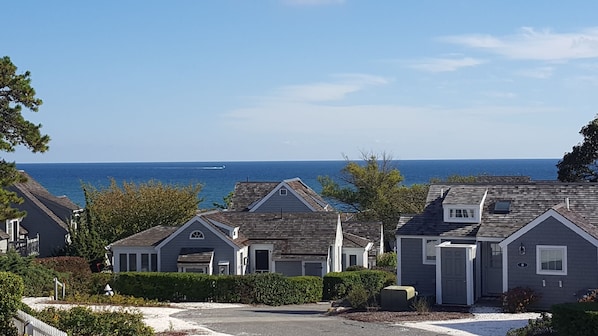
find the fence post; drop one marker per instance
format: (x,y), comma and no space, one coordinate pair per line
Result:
(56,284)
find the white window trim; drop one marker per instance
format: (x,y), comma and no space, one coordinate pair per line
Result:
(425,260)
(474,210)
(539,249)
(195,238)
(283,191)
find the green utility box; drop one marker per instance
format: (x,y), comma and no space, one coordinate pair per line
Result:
(397,298)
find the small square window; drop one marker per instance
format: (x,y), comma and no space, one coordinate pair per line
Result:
(551,260)
(283,192)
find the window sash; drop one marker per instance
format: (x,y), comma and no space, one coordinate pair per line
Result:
(551,259)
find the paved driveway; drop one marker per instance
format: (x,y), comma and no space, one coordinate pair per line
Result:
(295,320)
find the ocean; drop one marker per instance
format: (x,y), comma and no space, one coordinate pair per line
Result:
(219,178)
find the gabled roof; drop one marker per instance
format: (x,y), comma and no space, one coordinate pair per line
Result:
(527,202)
(351,240)
(249,195)
(292,234)
(150,237)
(58,209)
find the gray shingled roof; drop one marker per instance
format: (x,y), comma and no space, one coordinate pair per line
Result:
(55,207)
(195,255)
(528,201)
(150,237)
(293,234)
(246,194)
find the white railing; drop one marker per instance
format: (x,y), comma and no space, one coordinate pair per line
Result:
(30,326)
(56,285)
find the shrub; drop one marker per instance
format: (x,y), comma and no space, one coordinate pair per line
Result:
(355,268)
(74,271)
(11,293)
(307,289)
(388,259)
(591,296)
(577,318)
(358,297)
(542,326)
(37,279)
(516,300)
(84,321)
(421,305)
(338,285)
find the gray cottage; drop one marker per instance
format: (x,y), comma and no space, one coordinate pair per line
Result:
(481,239)
(45,228)
(282,227)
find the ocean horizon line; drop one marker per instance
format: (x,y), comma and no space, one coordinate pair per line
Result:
(278,161)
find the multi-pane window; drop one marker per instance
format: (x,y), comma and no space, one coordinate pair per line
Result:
(461,213)
(551,259)
(196,235)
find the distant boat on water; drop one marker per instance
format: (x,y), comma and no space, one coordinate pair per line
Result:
(213,167)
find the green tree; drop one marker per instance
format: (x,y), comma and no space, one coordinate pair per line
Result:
(579,165)
(116,212)
(11,293)
(85,241)
(373,189)
(16,93)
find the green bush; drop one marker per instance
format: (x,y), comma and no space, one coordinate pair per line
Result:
(11,293)
(578,318)
(516,300)
(388,259)
(83,321)
(38,279)
(542,326)
(74,272)
(337,285)
(358,297)
(355,268)
(269,288)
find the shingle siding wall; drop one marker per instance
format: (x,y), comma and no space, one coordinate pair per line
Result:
(289,268)
(277,203)
(222,250)
(413,271)
(582,264)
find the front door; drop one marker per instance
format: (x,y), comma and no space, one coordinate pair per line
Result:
(492,268)
(454,280)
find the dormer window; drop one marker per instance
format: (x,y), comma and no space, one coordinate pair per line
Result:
(461,214)
(283,192)
(196,235)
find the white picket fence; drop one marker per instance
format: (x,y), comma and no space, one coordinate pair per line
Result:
(30,326)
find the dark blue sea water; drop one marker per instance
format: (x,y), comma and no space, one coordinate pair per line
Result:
(66,178)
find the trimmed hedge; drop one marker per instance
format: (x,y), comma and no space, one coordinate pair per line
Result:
(269,288)
(578,318)
(338,285)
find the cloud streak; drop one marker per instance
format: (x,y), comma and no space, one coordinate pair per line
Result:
(532,44)
(445,64)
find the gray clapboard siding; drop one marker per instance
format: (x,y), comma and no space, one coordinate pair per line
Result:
(289,267)
(413,271)
(222,250)
(581,255)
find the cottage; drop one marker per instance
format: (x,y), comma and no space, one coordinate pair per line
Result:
(45,228)
(481,239)
(282,227)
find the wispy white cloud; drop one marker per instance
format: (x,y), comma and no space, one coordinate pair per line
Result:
(344,85)
(539,73)
(312,2)
(445,64)
(532,44)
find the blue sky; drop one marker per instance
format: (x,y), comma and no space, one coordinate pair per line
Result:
(305,79)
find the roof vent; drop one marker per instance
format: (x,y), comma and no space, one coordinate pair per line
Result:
(502,207)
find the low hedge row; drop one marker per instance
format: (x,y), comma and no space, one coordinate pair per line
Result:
(578,318)
(269,288)
(337,285)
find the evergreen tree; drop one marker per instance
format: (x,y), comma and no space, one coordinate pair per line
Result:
(16,93)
